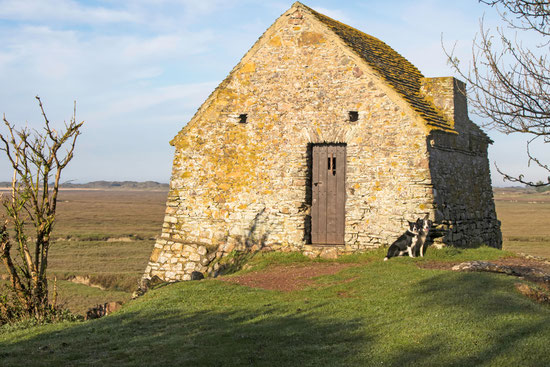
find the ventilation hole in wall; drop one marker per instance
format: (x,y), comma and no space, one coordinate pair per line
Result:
(353,116)
(242,118)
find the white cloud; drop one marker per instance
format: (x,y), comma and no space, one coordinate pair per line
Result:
(49,55)
(188,97)
(65,10)
(139,69)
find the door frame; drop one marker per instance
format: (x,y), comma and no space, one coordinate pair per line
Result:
(327,227)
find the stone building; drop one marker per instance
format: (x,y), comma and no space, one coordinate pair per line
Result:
(323,140)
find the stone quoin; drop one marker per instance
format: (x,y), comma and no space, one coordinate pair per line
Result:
(323,140)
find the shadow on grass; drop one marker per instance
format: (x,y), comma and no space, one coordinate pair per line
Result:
(439,319)
(267,338)
(488,324)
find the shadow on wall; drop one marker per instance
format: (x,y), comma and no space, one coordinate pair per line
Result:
(459,167)
(248,246)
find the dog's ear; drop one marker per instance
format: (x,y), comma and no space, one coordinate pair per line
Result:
(426,216)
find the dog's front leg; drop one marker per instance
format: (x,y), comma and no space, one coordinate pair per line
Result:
(410,250)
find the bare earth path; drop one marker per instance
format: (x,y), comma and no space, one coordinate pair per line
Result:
(286,278)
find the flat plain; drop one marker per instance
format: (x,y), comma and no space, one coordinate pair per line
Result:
(104,238)
(525,217)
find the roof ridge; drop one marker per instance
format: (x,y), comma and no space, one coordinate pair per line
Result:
(403,76)
(361,32)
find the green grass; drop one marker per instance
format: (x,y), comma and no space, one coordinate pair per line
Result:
(377,313)
(459,255)
(115,266)
(262,260)
(81,297)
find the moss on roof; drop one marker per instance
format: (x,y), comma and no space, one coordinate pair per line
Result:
(403,76)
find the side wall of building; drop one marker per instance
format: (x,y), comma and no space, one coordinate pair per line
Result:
(460,172)
(236,185)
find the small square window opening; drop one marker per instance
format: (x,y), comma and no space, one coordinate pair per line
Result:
(242,118)
(353,116)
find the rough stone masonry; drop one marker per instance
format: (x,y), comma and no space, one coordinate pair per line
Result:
(242,171)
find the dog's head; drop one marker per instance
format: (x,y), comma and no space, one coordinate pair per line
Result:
(414,228)
(424,224)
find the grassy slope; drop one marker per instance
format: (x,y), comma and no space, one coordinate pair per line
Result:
(79,298)
(378,313)
(115,265)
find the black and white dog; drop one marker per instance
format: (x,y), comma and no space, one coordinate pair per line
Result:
(413,241)
(423,225)
(405,243)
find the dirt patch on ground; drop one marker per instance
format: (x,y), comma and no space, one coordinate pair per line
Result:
(286,278)
(520,262)
(294,277)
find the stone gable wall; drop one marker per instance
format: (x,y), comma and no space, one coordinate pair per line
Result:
(238,185)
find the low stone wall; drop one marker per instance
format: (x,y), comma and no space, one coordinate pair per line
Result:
(174,261)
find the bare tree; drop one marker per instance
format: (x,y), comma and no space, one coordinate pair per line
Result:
(36,157)
(509,83)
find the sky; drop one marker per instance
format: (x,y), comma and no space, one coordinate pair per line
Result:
(139,69)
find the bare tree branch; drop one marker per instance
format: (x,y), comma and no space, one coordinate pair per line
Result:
(509,84)
(35,156)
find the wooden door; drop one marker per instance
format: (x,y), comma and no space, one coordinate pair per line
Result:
(329,194)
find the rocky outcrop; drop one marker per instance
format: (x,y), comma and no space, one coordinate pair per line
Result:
(519,271)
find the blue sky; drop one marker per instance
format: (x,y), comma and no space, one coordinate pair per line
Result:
(140,69)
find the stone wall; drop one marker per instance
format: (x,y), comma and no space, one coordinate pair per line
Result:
(236,185)
(460,171)
(242,167)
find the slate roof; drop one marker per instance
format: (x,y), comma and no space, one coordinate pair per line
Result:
(403,76)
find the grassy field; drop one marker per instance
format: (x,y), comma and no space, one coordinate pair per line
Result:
(525,221)
(101,214)
(108,237)
(373,314)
